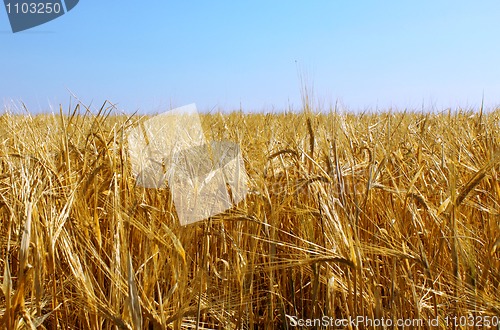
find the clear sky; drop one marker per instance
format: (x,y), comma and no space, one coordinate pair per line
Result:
(153,55)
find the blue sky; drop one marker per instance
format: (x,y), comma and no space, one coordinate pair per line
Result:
(153,55)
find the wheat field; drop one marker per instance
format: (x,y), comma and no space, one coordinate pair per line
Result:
(390,215)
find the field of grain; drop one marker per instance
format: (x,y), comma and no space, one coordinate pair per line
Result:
(391,215)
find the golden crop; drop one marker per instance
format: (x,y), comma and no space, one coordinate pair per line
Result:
(392,215)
